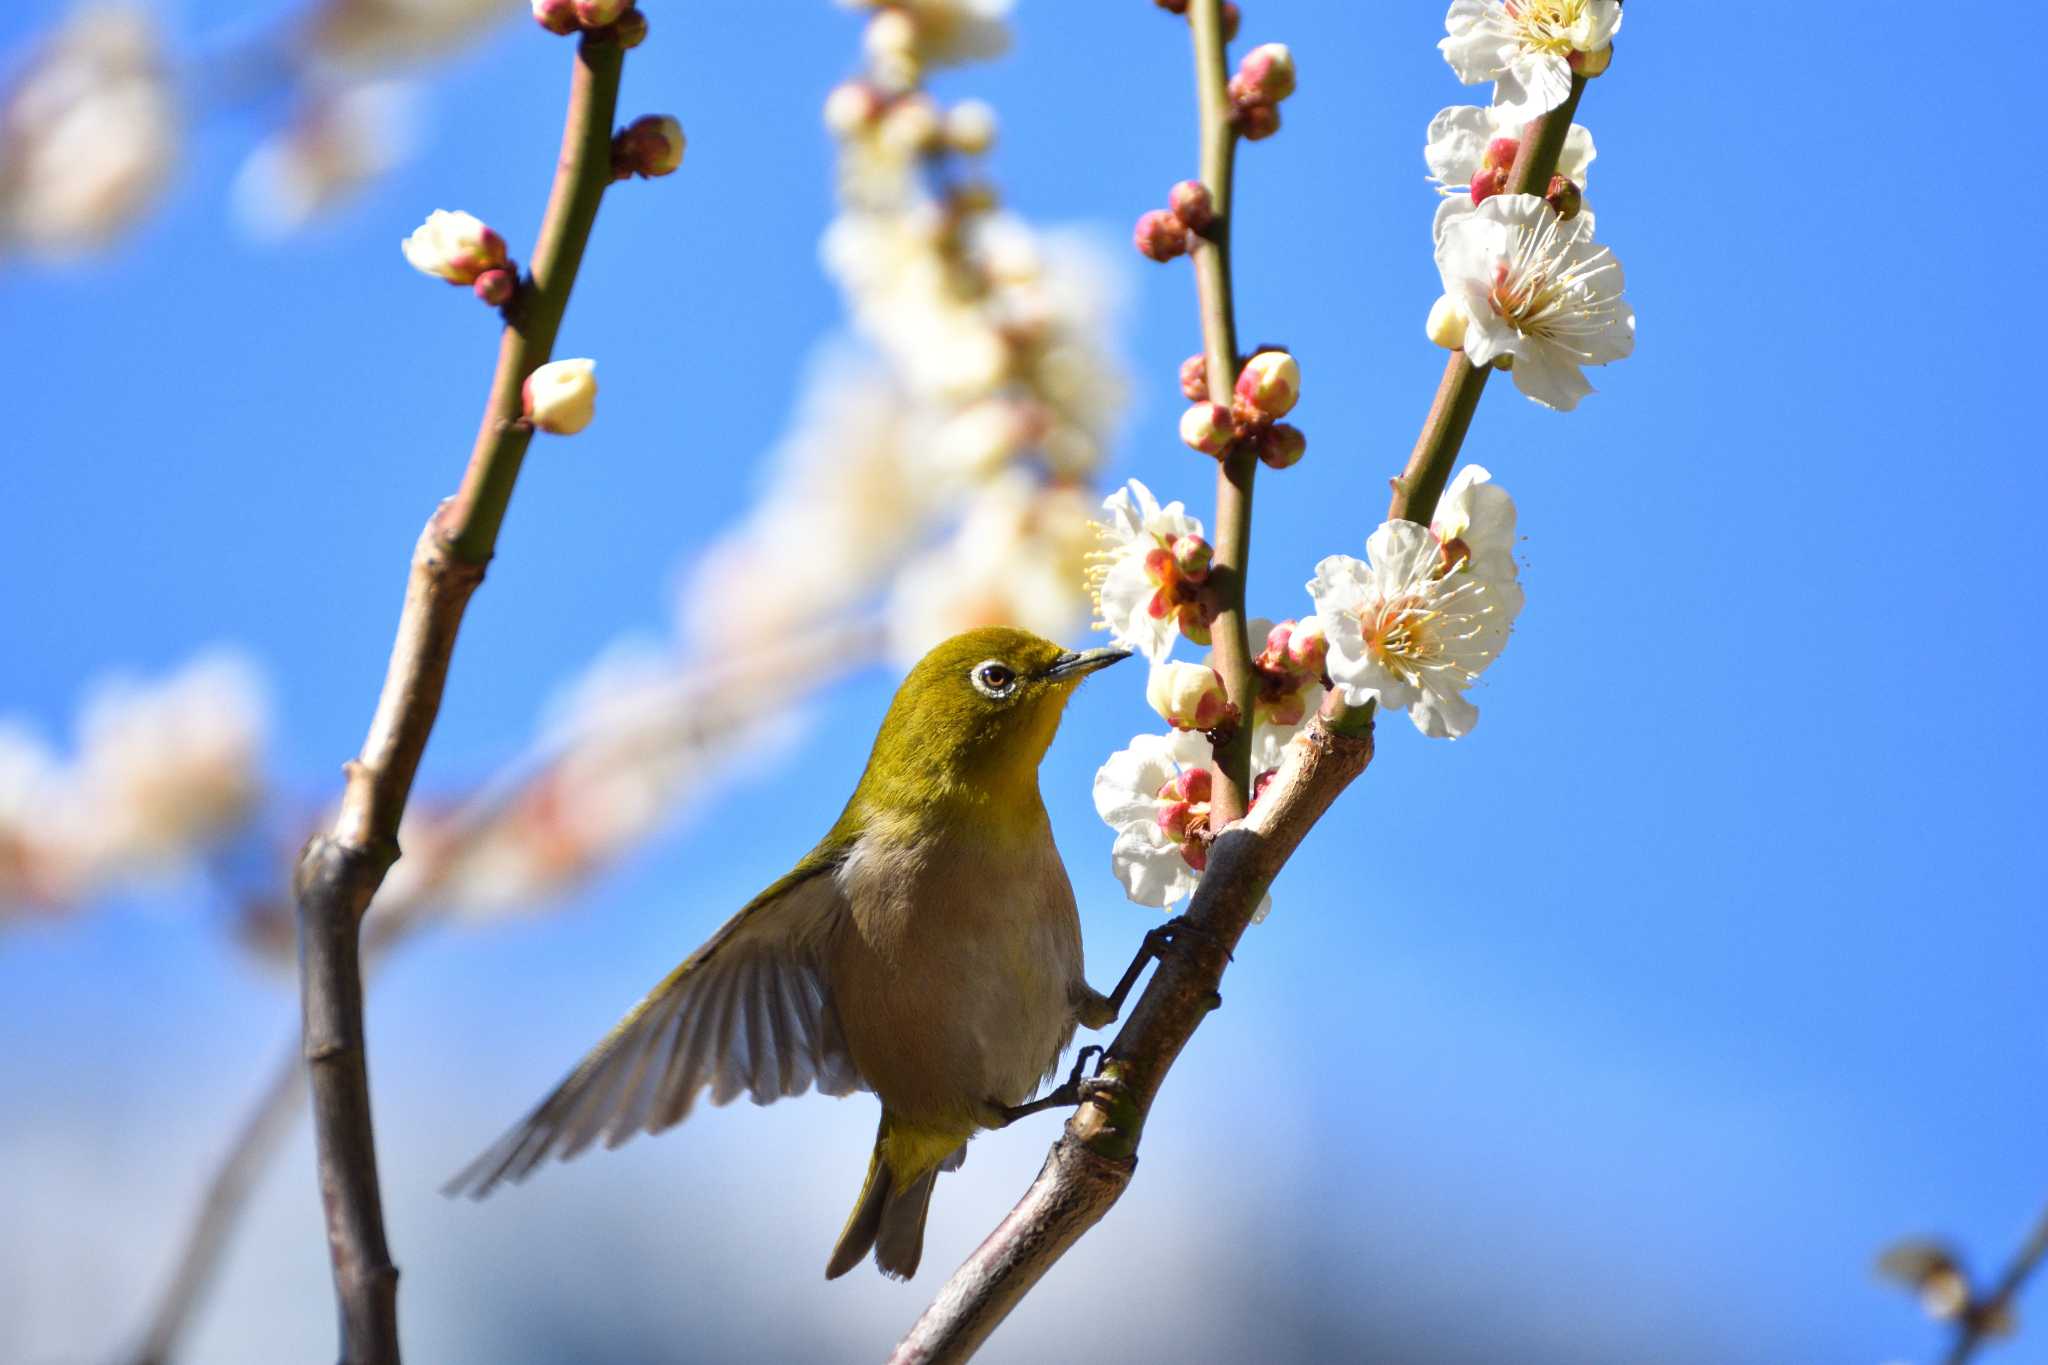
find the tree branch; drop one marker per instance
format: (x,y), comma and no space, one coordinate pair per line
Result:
(340,871)
(1232,648)
(1095,1157)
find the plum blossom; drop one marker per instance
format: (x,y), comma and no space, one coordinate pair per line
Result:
(1155,794)
(89,132)
(1475,525)
(1147,581)
(167,765)
(1414,627)
(1470,149)
(1525,47)
(1538,291)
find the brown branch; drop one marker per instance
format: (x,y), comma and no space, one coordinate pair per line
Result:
(697,713)
(1095,1157)
(255,1144)
(340,871)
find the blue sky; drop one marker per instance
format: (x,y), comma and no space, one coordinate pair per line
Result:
(1628,1028)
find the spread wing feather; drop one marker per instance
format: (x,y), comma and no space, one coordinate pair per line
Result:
(748,1013)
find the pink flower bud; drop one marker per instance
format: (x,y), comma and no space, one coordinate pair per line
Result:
(1282,445)
(1565,196)
(1192,556)
(1232,18)
(1195,853)
(1160,236)
(1256,122)
(1308,646)
(1175,817)
(1191,203)
(1501,153)
(455,247)
(1273,658)
(1265,76)
(630,29)
(556,16)
(599,13)
(1259,785)
(1488,181)
(496,287)
(1591,64)
(1197,784)
(1268,385)
(561,396)
(1208,427)
(1193,619)
(1194,378)
(649,146)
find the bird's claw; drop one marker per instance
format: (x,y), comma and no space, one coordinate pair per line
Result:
(1162,937)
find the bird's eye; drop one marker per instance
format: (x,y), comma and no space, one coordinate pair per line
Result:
(993,679)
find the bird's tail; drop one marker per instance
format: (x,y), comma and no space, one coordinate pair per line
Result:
(889,1215)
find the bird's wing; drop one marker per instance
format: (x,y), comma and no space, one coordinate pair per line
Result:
(749,1012)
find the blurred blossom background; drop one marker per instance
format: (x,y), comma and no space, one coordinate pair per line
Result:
(1629,1028)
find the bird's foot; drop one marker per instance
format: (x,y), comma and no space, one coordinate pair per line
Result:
(1064,1096)
(1180,927)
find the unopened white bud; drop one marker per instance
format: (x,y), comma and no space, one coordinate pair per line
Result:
(1187,696)
(561,396)
(1447,323)
(454,246)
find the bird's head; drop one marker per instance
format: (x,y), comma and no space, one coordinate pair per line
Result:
(974,718)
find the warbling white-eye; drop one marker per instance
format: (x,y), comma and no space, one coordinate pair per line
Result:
(927,950)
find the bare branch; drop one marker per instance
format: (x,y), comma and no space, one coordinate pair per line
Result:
(339,872)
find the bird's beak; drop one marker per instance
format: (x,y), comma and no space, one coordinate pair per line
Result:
(1072,665)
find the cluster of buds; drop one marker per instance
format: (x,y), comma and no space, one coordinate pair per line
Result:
(1290,669)
(1267,389)
(627,25)
(1496,168)
(458,247)
(1232,15)
(649,146)
(1180,575)
(1264,78)
(1162,234)
(1190,697)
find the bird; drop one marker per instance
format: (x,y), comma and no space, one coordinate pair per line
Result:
(927,949)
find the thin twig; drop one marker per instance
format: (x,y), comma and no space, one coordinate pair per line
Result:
(255,1143)
(1995,1311)
(1232,648)
(340,872)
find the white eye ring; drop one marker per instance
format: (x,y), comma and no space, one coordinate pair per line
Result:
(993,678)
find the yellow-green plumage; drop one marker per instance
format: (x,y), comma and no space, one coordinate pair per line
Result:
(927,949)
